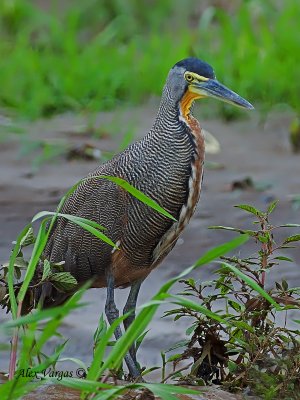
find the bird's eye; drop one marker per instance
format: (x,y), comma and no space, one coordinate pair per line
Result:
(189,77)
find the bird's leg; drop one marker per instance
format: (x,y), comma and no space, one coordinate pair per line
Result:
(131,306)
(112,313)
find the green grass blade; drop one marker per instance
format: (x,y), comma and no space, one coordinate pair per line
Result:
(137,194)
(12,260)
(146,314)
(192,305)
(13,390)
(41,315)
(37,316)
(38,248)
(121,347)
(164,393)
(76,361)
(253,284)
(95,370)
(220,250)
(43,214)
(85,385)
(209,256)
(90,226)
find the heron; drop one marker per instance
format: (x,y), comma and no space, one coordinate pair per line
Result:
(166,165)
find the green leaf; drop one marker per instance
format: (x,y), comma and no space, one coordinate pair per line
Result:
(232,366)
(35,317)
(178,345)
(20,262)
(110,391)
(243,326)
(86,224)
(294,238)
(58,266)
(290,226)
(28,239)
(254,285)
(101,329)
(10,279)
(272,206)
(218,251)
(174,357)
(190,330)
(284,285)
(283,258)
(140,339)
(82,384)
(17,272)
(148,370)
(16,389)
(236,306)
(38,248)
(262,239)
(43,214)
(228,228)
(51,326)
(46,270)
(51,313)
(192,305)
(137,194)
(63,281)
(148,310)
(95,371)
(75,361)
(250,209)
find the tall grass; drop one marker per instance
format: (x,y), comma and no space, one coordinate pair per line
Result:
(96,55)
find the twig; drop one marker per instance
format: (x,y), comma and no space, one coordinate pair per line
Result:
(14,347)
(175,372)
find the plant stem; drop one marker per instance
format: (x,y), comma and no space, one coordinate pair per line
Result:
(176,372)
(14,347)
(264,258)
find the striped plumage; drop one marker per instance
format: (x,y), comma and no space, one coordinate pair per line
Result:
(166,165)
(161,165)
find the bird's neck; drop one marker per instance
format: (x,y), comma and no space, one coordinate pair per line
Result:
(175,118)
(184,106)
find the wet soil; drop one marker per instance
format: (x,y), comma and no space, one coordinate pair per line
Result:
(249,148)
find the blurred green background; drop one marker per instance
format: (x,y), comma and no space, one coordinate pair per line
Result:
(98,54)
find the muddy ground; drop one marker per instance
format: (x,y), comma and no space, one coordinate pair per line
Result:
(249,148)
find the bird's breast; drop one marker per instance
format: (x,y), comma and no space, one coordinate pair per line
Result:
(192,195)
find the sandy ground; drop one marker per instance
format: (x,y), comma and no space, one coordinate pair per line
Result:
(248,148)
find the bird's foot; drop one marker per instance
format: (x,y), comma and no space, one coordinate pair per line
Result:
(134,370)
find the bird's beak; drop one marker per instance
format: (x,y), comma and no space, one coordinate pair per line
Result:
(213,88)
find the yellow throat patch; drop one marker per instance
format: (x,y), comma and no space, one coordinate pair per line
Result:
(186,103)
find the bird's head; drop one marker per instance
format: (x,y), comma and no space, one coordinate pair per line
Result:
(192,79)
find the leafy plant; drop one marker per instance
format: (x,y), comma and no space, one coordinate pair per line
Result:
(248,346)
(101,367)
(31,355)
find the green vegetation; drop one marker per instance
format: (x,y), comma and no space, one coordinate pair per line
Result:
(91,55)
(31,355)
(235,339)
(258,346)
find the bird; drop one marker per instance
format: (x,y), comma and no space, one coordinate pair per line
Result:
(166,165)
